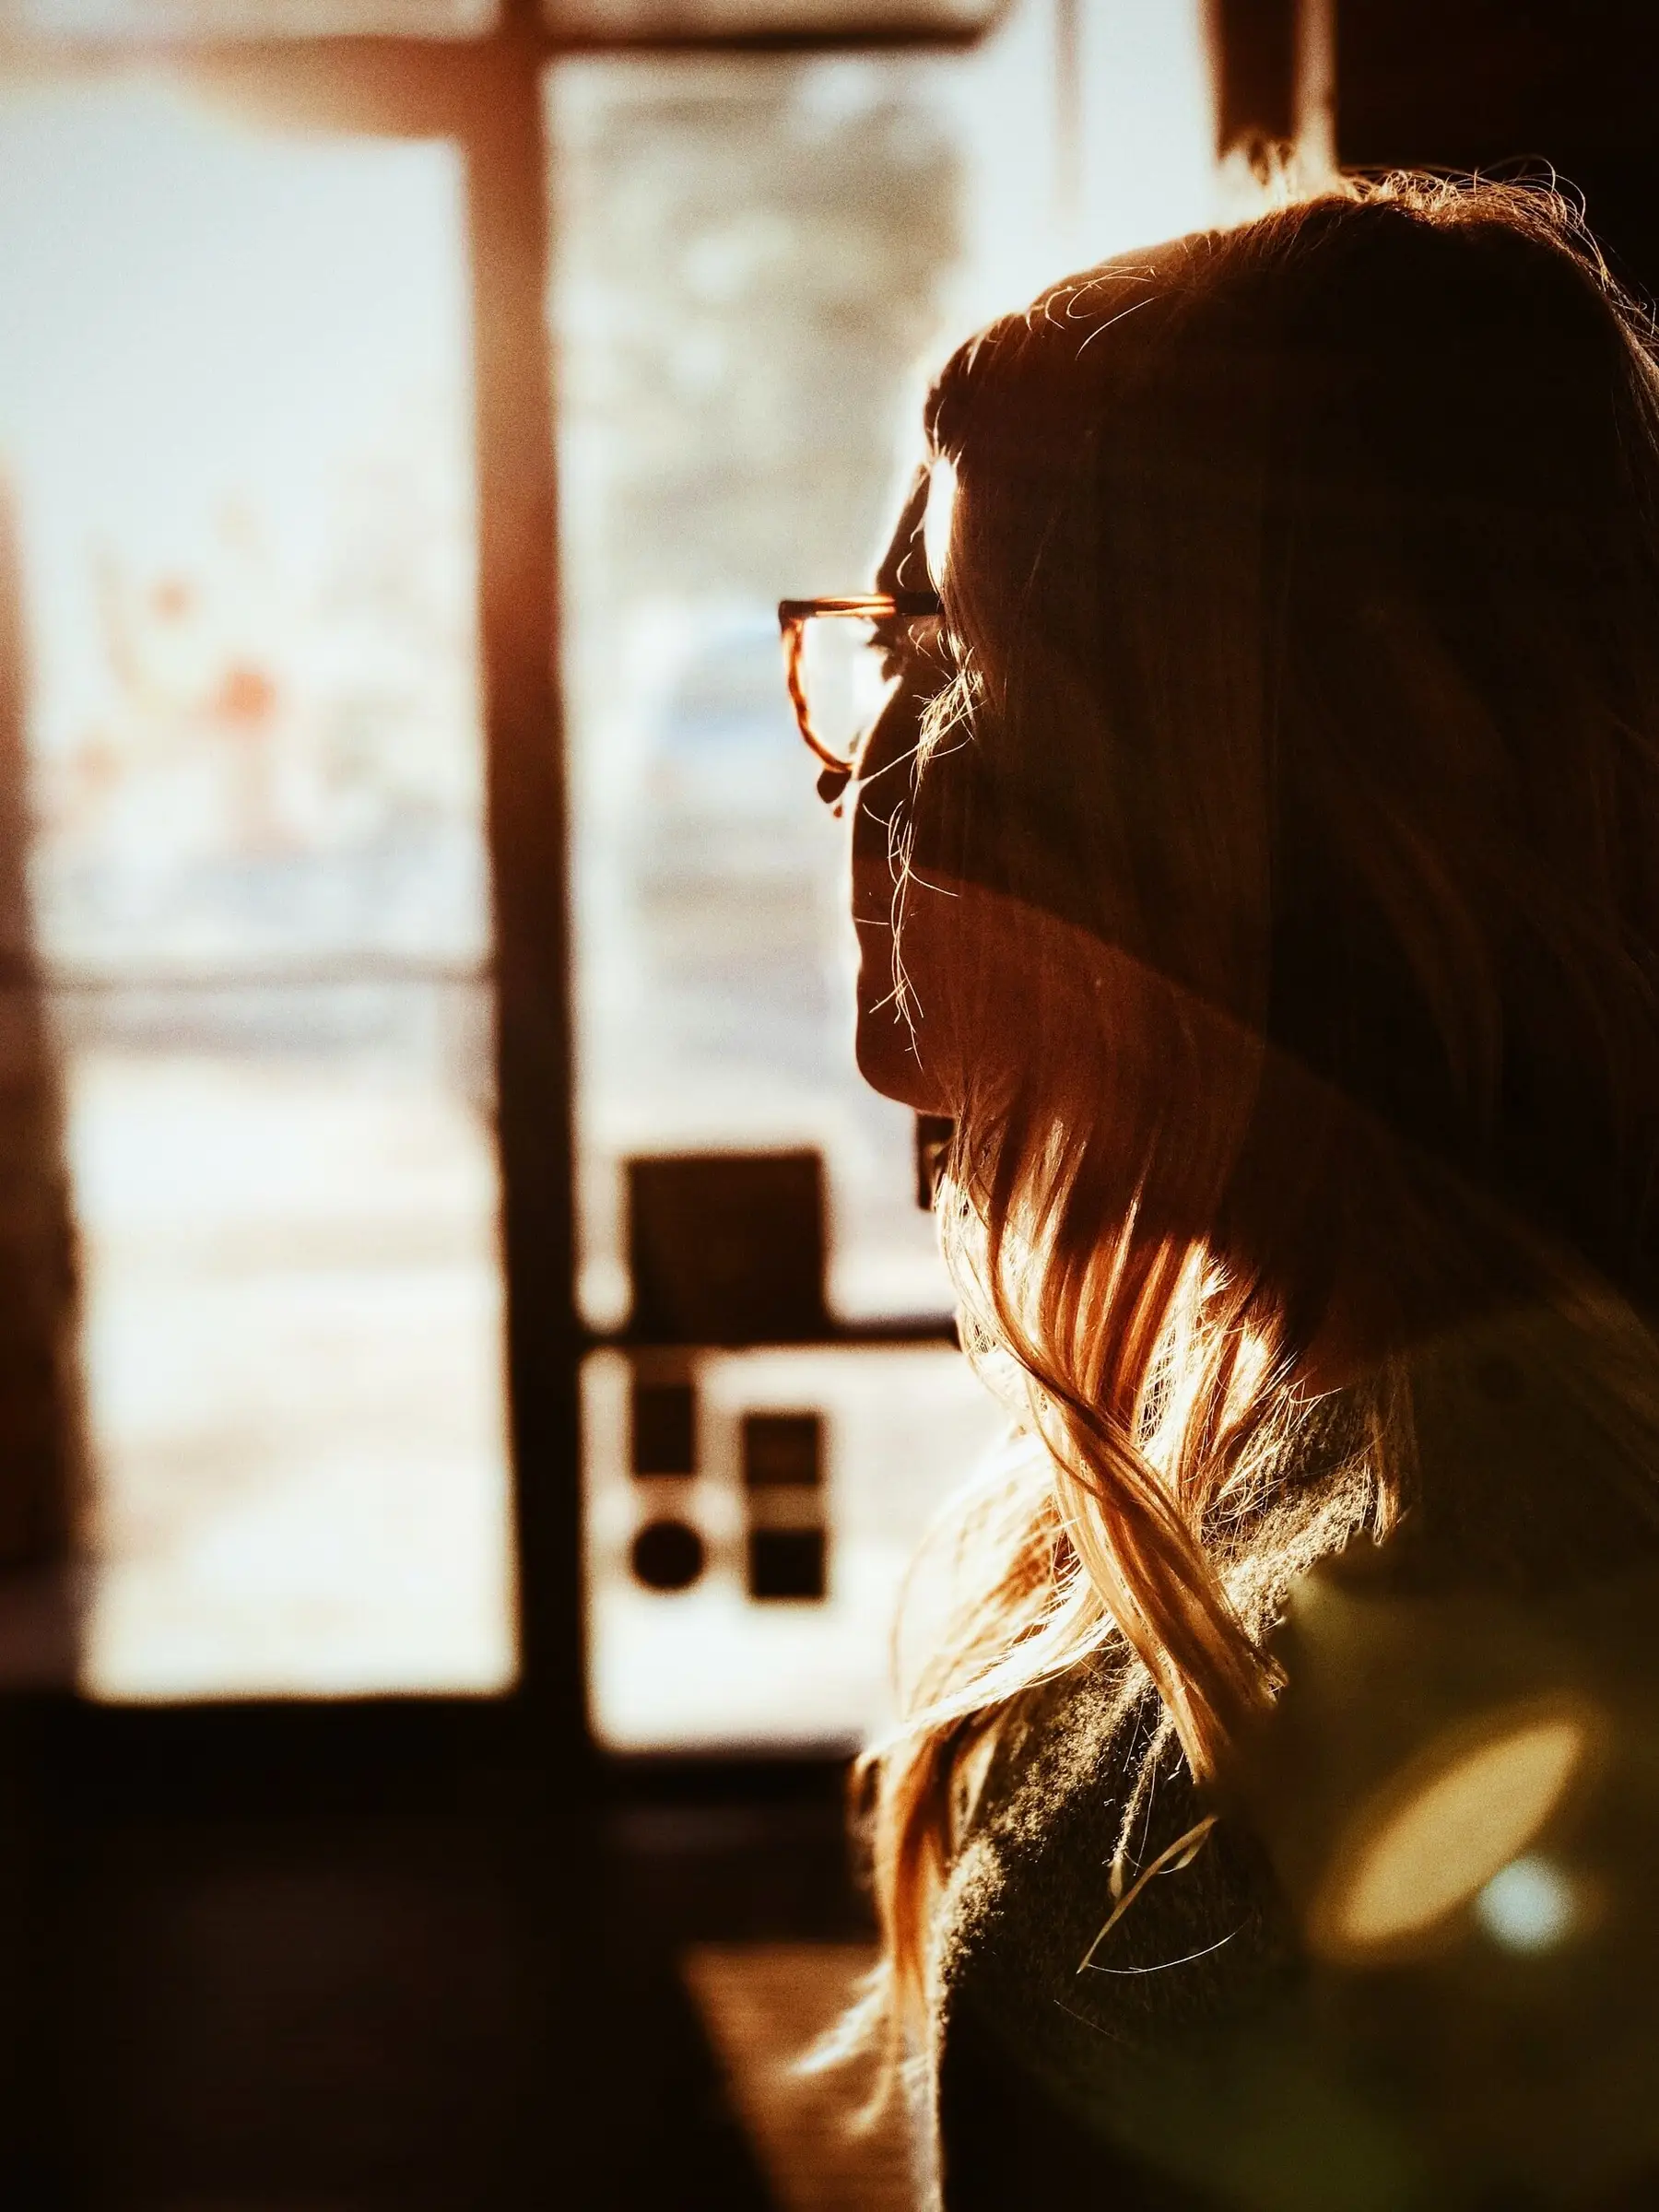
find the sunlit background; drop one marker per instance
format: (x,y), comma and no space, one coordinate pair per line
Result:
(269,660)
(758,263)
(236,412)
(238,419)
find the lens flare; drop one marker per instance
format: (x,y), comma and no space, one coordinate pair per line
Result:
(1527,1906)
(1453,1830)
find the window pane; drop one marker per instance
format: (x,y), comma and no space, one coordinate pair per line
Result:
(237,394)
(733,418)
(738,1653)
(757,259)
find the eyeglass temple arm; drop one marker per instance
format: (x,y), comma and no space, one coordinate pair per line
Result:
(873,605)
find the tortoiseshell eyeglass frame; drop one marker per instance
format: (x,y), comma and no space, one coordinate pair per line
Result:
(793,617)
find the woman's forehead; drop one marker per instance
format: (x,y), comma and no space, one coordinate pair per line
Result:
(938,512)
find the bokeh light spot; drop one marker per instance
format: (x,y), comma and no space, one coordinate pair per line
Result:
(1527,1905)
(1449,1831)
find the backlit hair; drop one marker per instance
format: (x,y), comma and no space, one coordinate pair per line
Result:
(1278,904)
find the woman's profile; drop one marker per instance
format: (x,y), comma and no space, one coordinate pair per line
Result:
(1257,863)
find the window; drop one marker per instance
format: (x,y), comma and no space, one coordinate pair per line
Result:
(237,398)
(757,260)
(241,422)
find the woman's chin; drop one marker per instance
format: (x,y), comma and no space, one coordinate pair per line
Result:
(890,1062)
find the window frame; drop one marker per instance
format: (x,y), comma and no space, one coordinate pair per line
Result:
(485,93)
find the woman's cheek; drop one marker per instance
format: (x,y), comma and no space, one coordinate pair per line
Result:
(906,1042)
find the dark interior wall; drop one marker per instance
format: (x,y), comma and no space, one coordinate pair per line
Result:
(1483,84)
(1253,42)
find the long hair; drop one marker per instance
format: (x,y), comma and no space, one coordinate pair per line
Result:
(1276,901)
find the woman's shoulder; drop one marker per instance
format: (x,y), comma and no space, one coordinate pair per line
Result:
(1038,2016)
(1060,2019)
(1083,1792)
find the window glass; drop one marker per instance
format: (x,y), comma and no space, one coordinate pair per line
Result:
(766,1620)
(235,397)
(755,257)
(758,258)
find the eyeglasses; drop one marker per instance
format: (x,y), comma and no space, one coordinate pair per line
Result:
(839,665)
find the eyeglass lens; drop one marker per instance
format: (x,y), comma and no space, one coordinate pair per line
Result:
(849,669)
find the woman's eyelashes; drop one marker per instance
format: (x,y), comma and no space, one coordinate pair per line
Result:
(917,665)
(916,653)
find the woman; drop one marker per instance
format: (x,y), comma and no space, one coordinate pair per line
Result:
(1257,862)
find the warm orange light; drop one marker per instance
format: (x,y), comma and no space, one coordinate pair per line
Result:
(940,514)
(1432,1840)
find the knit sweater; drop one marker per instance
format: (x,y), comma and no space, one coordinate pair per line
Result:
(1049,2072)
(1196,2056)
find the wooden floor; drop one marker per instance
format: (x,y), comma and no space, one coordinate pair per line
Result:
(821,2147)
